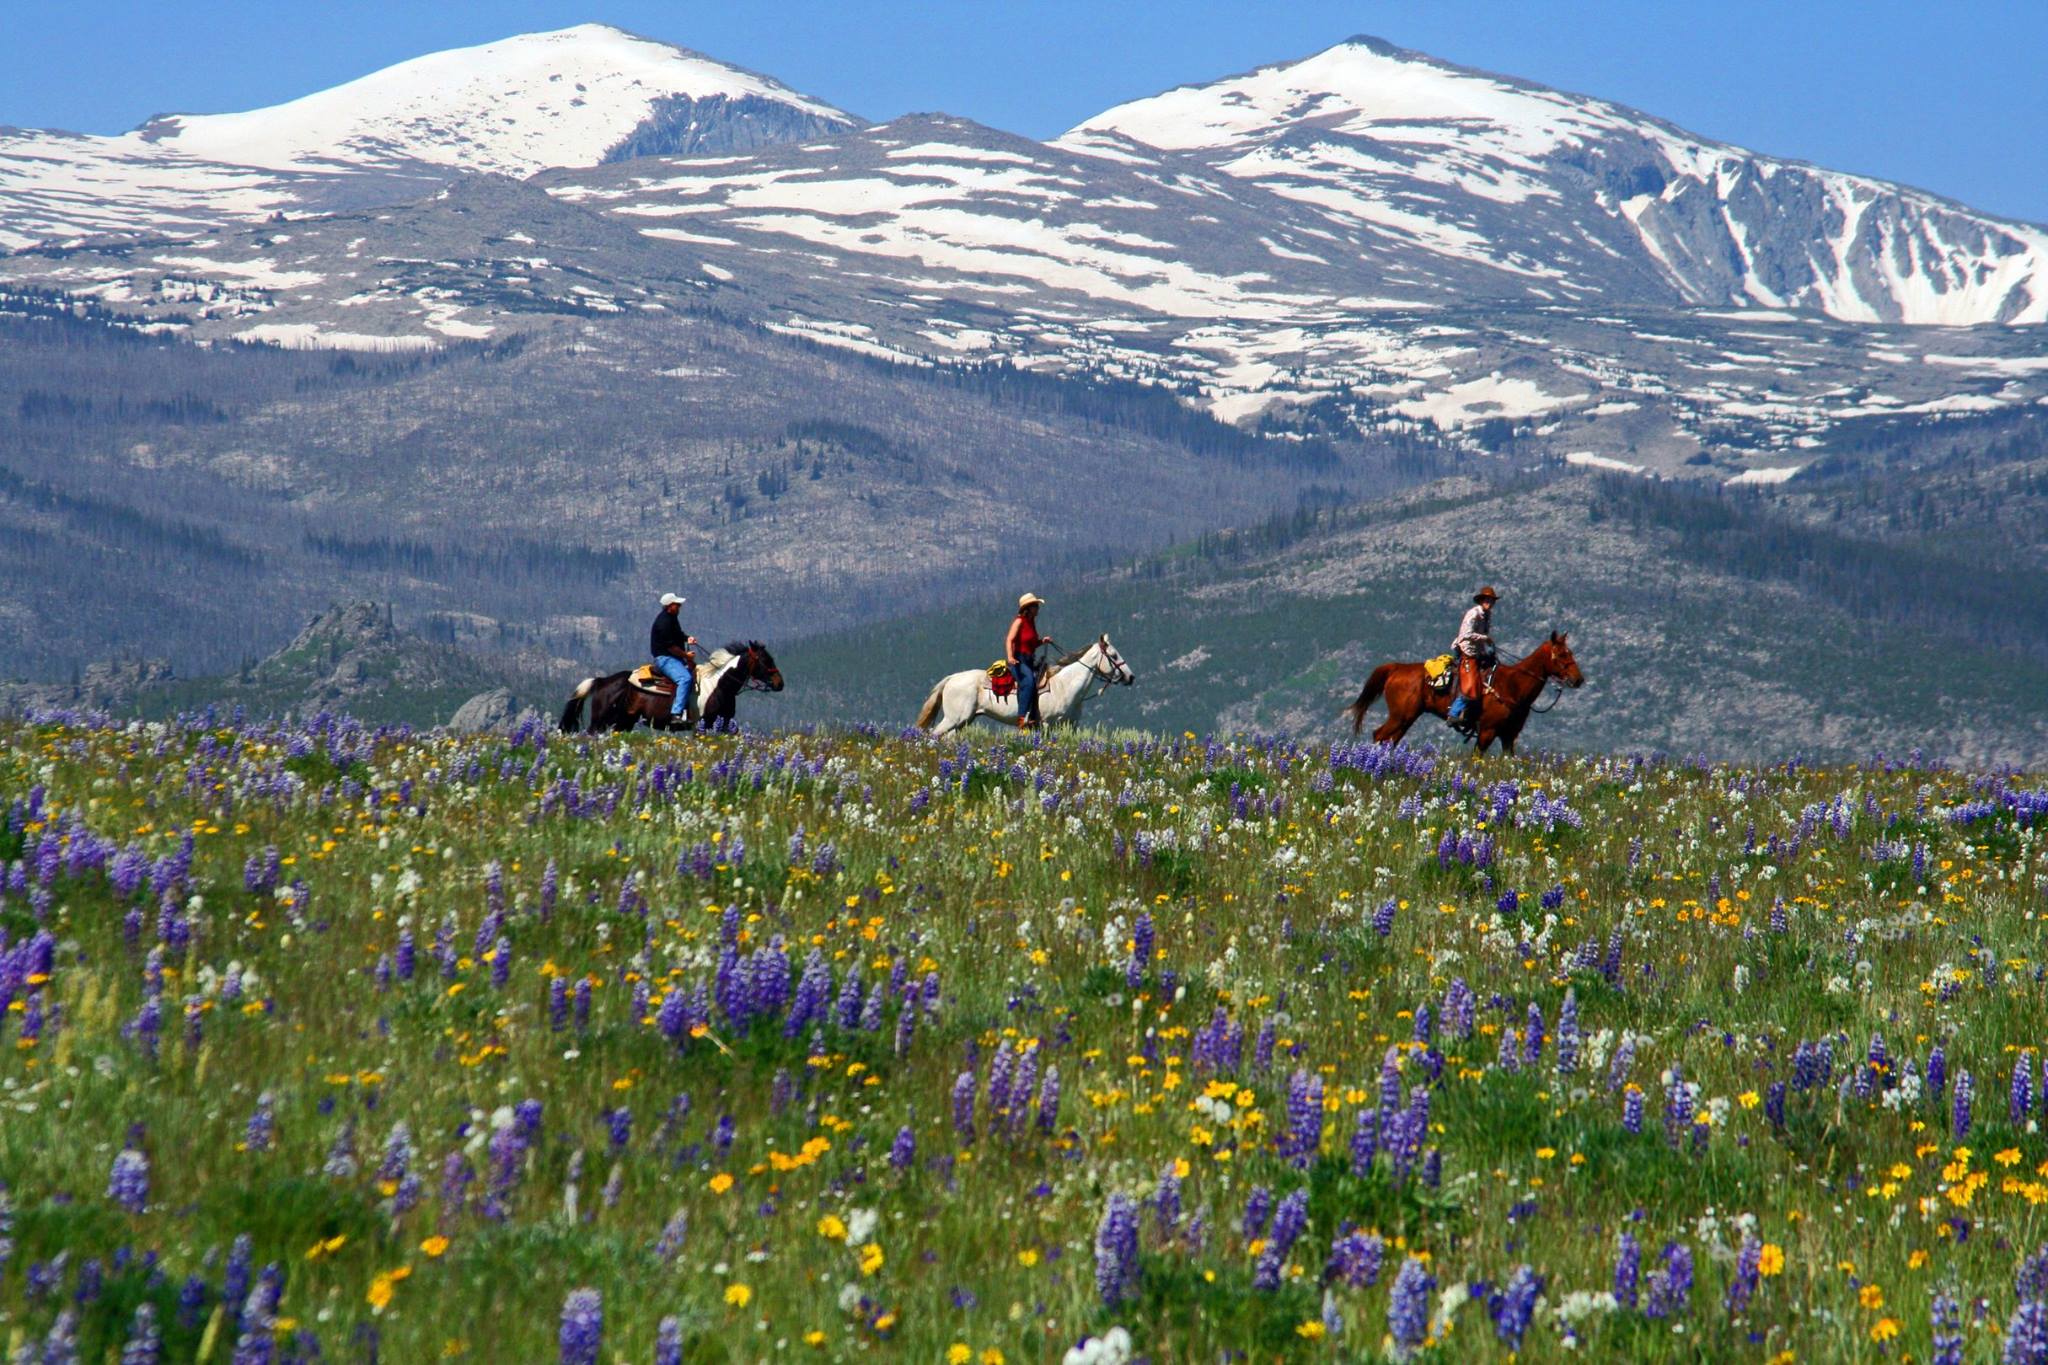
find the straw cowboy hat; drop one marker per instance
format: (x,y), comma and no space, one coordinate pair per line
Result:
(1030,599)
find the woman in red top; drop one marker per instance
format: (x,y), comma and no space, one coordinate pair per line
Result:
(1020,647)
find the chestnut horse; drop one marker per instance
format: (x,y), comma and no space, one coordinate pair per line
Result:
(616,704)
(1510,692)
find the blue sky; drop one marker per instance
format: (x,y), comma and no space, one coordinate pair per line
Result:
(1950,97)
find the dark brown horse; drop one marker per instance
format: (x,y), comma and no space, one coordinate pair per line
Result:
(1504,706)
(616,704)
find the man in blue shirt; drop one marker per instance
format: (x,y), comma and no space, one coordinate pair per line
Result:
(670,647)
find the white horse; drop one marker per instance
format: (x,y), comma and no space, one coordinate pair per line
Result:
(961,697)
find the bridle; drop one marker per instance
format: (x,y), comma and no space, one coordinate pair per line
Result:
(1548,683)
(1119,674)
(754,681)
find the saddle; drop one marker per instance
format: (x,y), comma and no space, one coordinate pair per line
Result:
(648,678)
(1002,680)
(1440,672)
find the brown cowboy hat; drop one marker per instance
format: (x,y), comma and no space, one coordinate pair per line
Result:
(1486,594)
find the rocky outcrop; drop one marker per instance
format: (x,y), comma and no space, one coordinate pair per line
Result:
(496,709)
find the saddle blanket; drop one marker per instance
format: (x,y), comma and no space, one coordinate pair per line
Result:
(648,678)
(1438,672)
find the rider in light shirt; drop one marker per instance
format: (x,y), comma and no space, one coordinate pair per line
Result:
(1474,648)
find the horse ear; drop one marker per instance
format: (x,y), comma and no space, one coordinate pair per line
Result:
(1555,638)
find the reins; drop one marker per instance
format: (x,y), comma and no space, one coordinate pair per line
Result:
(1546,683)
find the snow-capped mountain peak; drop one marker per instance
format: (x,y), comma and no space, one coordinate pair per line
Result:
(1360,86)
(1540,184)
(575,97)
(515,106)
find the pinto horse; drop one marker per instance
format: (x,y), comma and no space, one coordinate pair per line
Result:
(1509,694)
(616,704)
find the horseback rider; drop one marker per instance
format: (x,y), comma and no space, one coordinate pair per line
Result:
(1020,648)
(670,646)
(1474,648)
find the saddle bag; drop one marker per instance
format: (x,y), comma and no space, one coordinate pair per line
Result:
(1001,681)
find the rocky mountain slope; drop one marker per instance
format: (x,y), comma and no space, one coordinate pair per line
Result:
(351,657)
(1364,241)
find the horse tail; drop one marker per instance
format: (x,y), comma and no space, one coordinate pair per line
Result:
(571,712)
(930,713)
(1374,685)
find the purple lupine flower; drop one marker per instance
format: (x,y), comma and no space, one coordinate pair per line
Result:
(236,1276)
(582,1334)
(847,1012)
(1947,1316)
(191,1302)
(1959,1107)
(1628,1269)
(2030,1281)
(1365,1140)
(558,1004)
(1290,1220)
(620,1121)
(1517,1306)
(1383,918)
(1742,1284)
(1774,1104)
(671,1240)
(2026,1334)
(1670,1284)
(1262,1050)
(1024,1080)
(60,1346)
(1049,1101)
(2020,1101)
(1166,1201)
(903,1150)
(128,1181)
(145,1341)
(1304,1136)
(262,1125)
(1142,943)
(1355,1260)
(1461,1008)
(1509,1057)
(1568,1035)
(963,1107)
(1116,1251)
(1532,1036)
(1677,1107)
(583,1004)
(999,1069)
(1258,1206)
(501,962)
(1408,1306)
(906,1027)
(668,1342)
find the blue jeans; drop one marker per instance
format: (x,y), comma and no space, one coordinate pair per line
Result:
(1027,688)
(685,679)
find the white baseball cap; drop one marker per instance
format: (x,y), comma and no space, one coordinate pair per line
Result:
(669,599)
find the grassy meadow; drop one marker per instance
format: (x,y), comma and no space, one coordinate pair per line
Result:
(330,1042)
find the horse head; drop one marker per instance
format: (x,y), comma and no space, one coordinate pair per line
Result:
(1561,665)
(761,670)
(1119,671)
